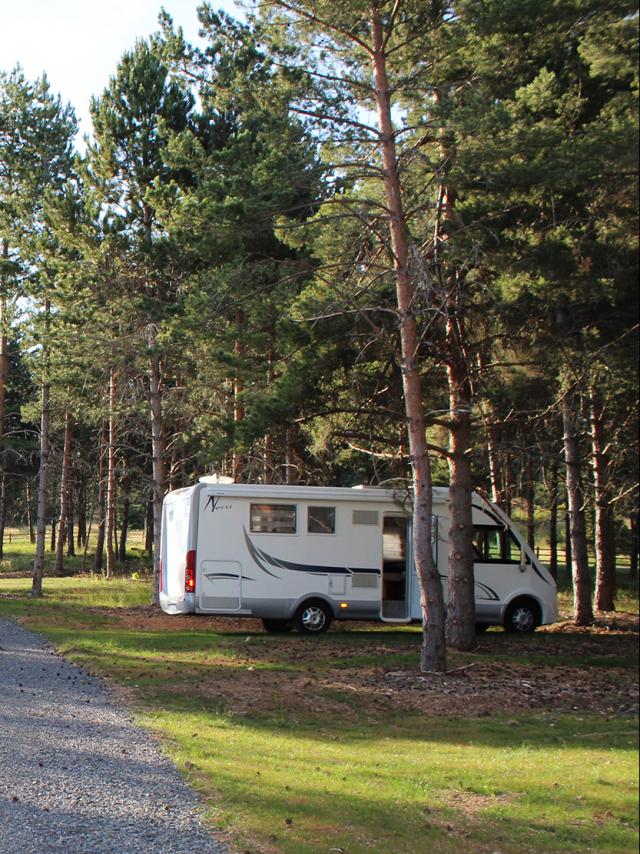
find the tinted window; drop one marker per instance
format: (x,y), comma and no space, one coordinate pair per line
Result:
(273,518)
(493,544)
(321,520)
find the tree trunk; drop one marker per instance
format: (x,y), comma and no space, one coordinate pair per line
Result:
(3,510)
(238,389)
(461,624)
(604,528)
(553,521)
(148,528)
(38,561)
(32,533)
(507,481)
(71,550)
(158,457)
(4,373)
(582,610)
(126,503)
(58,567)
(433,656)
(102,500)
(111,476)
(633,523)
(531,508)
(289,465)
(82,515)
(568,557)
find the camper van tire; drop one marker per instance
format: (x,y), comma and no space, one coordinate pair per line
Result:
(277,627)
(522,616)
(313,617)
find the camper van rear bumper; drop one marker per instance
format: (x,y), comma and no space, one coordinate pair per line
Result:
(178,605)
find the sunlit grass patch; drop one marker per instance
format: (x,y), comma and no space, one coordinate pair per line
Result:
(290,755)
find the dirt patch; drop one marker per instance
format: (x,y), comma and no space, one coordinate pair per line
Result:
(559,668)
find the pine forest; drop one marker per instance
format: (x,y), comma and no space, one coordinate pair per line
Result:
(385,242)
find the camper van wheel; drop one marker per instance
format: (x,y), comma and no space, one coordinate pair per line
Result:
(522,616)
(275,627)
(312,618)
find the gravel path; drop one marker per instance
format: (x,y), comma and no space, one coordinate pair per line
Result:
(76,776)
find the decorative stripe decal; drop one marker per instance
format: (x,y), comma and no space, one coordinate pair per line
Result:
(254,554)
(261,557)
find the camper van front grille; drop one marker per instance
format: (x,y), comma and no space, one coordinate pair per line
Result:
(364,579)
(219,603)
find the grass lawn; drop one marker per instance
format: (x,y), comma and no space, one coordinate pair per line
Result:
(308,745)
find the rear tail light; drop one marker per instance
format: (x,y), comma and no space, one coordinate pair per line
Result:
(190,572)
(160,571)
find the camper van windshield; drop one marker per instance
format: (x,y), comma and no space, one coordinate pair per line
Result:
(494,544)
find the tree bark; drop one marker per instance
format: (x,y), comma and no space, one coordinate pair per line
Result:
(531,508)
(158,457)
(32,533)
(553,521)
(126,503)
(633,524)
(582,609)
(82,514)
(433,657)
(238,389)
(460,625)
(605,542)
(58,567)
(111,476)
(38,561)
(71,550)
(3,510)
(4,374)
(102,499)
(148,528)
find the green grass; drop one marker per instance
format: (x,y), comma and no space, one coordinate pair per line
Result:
(360,776)
(19,552)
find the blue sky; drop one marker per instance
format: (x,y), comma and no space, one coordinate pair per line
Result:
(79,42)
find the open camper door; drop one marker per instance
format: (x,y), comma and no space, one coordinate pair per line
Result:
(396,569)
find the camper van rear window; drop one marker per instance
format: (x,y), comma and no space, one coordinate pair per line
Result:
(321,520)
(273,518)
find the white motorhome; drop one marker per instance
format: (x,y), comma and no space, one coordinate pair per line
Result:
(304,556)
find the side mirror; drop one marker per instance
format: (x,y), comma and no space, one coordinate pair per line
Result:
(523,560)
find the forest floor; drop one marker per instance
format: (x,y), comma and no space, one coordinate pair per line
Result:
(527,745)
(542,671)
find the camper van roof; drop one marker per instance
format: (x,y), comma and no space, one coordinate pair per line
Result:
(325,493)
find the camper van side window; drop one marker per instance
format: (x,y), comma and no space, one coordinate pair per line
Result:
(494,545)
(321,520)
(273,518)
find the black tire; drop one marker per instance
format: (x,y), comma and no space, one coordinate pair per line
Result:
(313,618)
(277,627)
(522,616)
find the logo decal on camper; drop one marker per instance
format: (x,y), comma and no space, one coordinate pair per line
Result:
(214,502)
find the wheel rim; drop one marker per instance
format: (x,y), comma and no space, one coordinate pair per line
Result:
(522,619)
(313,618)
